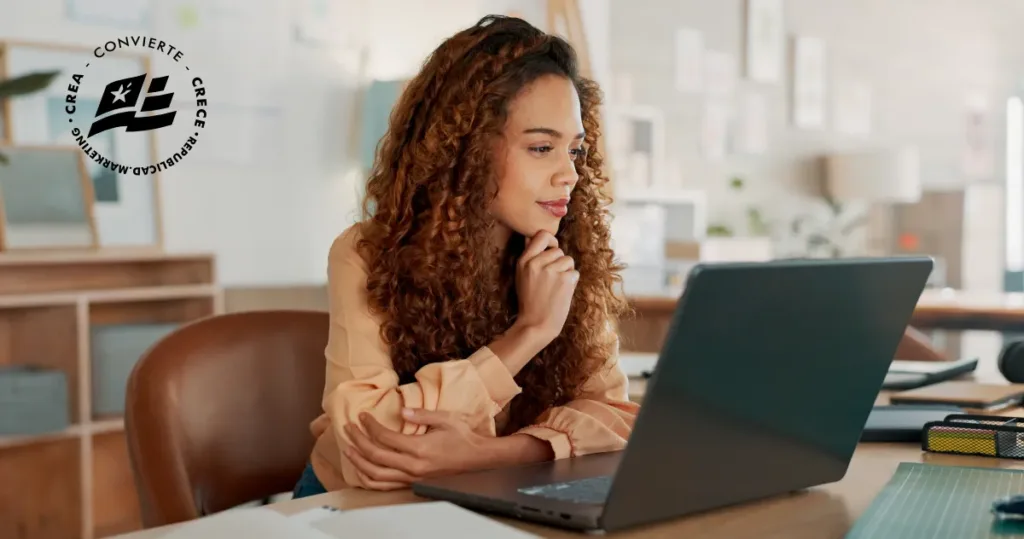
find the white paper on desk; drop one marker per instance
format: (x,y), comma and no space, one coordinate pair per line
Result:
(428,520)
(249,523)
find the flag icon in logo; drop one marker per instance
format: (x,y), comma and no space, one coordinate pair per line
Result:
(123,96)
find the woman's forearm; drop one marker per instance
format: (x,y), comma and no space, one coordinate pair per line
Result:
(519,449)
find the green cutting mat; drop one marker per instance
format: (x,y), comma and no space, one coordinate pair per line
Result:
(927,501)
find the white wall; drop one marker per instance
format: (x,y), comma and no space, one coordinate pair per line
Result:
(921,75)
(270,218)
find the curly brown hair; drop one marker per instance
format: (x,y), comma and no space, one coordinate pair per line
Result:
(442,289)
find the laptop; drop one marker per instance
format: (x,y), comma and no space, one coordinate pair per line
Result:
(763,387)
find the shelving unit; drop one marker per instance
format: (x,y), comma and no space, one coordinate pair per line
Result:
(77,482)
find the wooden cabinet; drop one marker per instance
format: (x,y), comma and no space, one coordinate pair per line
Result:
(77,482)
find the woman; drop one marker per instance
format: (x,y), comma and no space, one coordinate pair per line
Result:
(472,309)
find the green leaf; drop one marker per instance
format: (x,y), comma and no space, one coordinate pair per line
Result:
(855,224)
(719,231)
(736,183)
(797,225)
(3,159)
(27,84)
(817,240)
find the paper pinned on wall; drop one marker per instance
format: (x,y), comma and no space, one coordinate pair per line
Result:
(766,40)
(312,21)
(187,16)
(239,52)
(689,57)
(715,130)
(809,84)
(316,21)
(133,14)
(720,80)
(979,154)
(720,74)
(753,134)
(853,108)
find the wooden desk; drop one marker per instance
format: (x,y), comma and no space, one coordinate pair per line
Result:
(825,512)
(960,310)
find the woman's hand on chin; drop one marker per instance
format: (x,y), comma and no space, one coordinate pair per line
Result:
(394,460)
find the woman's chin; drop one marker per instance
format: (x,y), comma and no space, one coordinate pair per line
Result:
(550,228)
(530,228)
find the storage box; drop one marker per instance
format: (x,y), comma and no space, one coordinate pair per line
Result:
(116,348)
(33,400)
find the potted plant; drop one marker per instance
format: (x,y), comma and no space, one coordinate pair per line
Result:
(752,242)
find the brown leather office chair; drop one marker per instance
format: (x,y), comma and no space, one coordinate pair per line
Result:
(217,413)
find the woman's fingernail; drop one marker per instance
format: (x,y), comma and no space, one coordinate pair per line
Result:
(407,413)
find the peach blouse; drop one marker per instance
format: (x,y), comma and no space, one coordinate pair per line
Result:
(360,378)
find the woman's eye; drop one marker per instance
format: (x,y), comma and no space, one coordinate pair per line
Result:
(576,153)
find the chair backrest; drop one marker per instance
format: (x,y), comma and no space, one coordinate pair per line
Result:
(217,413)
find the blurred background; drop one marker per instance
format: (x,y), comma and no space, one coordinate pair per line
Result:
(734,129)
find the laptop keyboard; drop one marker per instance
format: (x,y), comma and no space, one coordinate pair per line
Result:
(589,490)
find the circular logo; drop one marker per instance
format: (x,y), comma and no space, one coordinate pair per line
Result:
(119,96)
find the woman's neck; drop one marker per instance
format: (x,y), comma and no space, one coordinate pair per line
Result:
(500,237)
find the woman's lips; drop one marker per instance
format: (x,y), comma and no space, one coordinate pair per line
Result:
(558,208)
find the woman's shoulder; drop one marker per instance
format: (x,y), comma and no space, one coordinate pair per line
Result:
(345,249)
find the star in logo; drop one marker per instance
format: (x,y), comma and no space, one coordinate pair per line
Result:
(117,107)
(119,94)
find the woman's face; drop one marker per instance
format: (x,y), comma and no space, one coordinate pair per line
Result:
(543,142)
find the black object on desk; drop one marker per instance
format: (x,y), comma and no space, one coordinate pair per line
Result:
(903,422)
(1010,506)
(915,374)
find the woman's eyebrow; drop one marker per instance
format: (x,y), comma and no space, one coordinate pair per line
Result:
(549,131)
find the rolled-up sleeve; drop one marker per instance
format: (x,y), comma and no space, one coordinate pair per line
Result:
(360,376)
(599,420)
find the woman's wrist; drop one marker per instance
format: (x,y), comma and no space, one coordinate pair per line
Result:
(516,449)
(532,338)
(518,346)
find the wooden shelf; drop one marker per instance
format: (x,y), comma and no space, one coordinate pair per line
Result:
(7,442)
(113,512)
(108,296)
(101,270)
(91,428)
(77,482)
(41,490)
